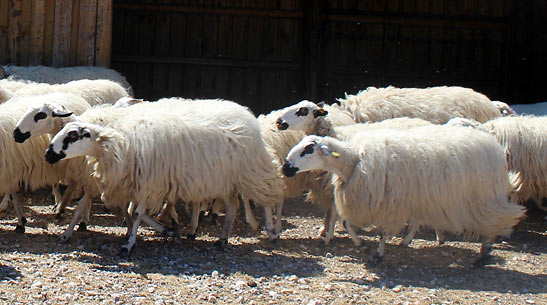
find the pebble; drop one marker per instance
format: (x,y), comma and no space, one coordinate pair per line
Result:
(397,288)
(328,255)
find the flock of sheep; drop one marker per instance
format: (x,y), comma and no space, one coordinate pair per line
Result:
(446,158)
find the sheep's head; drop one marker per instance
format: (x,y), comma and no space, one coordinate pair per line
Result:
(300,116)
(74,140)
(38,120)
(308,154)
(504,108)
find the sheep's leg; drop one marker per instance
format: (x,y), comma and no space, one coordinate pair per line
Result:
(128,217)
(330,223)
(5,202)
(440,237)
(539,203)
(169,215)
(194,220)
(249,216)
(18,206)
(327,223)
(216,207)
(268,220)
(379,257)
(354,237)
(412,228)
(56,195)
(231,211)
(278,216)
(67,196)
(82,207)
(485,256)
(138,213)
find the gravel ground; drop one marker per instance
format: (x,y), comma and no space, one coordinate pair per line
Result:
(35,269)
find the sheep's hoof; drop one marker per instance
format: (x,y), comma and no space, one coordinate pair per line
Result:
(24,220)
(20,228)
(221,244)
(482,261)
(63,239)
(376,260)
(214,219)
(59,215)
(125,251)
(82,227)
(191,237)
(440,243)
(275,241)
(169,232)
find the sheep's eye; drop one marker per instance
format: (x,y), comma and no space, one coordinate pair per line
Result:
(86,135)
(307,150)
(72,134)
(302,111)
(39,116)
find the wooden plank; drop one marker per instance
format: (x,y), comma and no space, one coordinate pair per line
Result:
(86,32)
(74,32)
(61,33)
(24,33)
(4,17)
(49,24)
(37,26)
(14,31)
(103,49)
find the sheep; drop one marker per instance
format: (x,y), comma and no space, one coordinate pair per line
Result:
(23,165)
(435,104)
(313,119)
(504,108)
(523,138)
(51,75)
(449,178)
(194,151)
(95,92)
(317,182)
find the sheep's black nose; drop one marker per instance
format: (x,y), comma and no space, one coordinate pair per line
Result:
(281,125)
(53,157)
(19,136)
(289,170)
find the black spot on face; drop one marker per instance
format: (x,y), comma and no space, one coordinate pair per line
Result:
(289,170)
(53,157)
(320,112)
(302,111)
(307,150)
(19,136)
(71,137)
(40,116)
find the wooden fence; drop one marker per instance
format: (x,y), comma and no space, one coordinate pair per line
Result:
(55,32)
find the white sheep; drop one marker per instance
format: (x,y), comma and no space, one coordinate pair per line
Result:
(316,182)
(523,138)
(23,165)
(435,104)
(51,75)
(314,119)
(95,92)
(194,151)
(448,178)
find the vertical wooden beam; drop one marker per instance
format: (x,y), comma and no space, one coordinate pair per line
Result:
(24,33)
(14,30)
(61,33)
(4,17)
(49,22)
(86,32)
(313,45)
(103,43)
(37,25)
(74,32)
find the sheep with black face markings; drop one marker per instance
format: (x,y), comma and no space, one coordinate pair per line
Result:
(194,151)
(434,104)
(448,178)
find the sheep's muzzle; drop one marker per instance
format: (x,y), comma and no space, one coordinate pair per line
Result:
(289,170)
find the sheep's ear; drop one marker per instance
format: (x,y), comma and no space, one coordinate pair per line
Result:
(328,152)
(320,112)
(321,104)
(2,73)
(61,113)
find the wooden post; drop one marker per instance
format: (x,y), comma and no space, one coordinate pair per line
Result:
(61,33)
(14,30)
(37,25)
(4,17)
(313,45)
(103,42)
(86,32)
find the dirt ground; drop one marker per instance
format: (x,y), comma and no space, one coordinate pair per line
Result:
(36,269)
